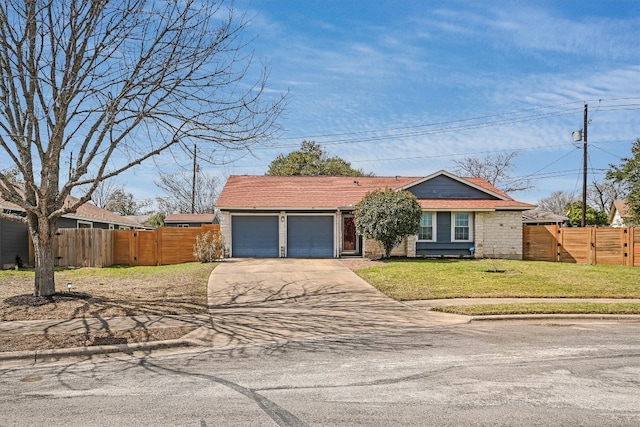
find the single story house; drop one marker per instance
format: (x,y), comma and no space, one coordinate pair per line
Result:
(312,216)
(189,220)
(14,236)
(619,214)
(538,217)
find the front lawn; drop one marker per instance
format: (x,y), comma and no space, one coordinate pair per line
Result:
(107,292)
(406,280)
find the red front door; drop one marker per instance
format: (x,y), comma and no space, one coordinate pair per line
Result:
(349,238)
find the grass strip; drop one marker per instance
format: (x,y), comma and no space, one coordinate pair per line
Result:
(541,308)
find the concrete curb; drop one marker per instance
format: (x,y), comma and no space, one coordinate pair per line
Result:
(54,354)
(612,317)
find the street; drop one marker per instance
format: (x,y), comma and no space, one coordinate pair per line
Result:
(551,372)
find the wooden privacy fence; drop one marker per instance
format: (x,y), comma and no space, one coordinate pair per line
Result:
(95,247)
(83,247)
(163,246)
(606,246)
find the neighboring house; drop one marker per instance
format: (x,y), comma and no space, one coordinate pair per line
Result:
(139,219)
(537,217)
(189,220)
(14,237)
(14,242)
(619,214)
(312,216)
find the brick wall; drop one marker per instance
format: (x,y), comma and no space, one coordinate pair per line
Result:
(225,230)
(373,249)
(498,234)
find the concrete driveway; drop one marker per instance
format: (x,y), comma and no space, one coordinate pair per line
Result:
(254,301)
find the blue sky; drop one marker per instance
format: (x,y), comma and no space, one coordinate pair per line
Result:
(407,87)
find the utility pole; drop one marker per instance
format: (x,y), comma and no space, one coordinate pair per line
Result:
(193,188)
(584,167)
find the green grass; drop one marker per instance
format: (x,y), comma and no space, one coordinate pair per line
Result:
(192,270)
(541,308)
(406,280)
(112,274)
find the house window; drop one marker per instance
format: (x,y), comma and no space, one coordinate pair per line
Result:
(183,225)
(112,226)
(85,224)
(461,227)
(427,227)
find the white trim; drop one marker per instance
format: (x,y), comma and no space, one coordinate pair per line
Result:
(101,220)
(79,223)
(434,227)
(453,227)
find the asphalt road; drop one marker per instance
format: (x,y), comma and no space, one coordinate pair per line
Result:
(479,374)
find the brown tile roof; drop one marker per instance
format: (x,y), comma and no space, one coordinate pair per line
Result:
(183,218)
(622,207)
(536,216)
(245,191)
(331,192)
(88,211)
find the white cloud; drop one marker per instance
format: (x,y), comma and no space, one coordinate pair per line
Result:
(370,79)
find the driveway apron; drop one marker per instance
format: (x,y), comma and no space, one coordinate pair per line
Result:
(254,301)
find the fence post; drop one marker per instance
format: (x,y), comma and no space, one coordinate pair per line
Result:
(560,243)
(556,242)
(594,256)
(159,245)
(133,248)
(631,246)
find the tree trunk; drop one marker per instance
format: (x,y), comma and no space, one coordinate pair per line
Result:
(42,238)
(388,247)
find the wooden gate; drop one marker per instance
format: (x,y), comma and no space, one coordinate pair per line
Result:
(540,243)
(83,247)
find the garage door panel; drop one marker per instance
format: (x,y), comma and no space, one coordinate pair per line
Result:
(254,236)
(310,236)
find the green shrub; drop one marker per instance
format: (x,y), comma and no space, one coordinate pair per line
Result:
(209,247)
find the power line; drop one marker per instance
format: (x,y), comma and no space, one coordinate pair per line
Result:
(377,138)
(427,129)
(476,118)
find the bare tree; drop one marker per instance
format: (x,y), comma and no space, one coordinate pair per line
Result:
(113,84)
(557,202)
(124,203)
(602,194)
(104,193)
(113,197)
(179,192)
(497,170)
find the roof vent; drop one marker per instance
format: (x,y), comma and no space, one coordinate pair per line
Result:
(356,183)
